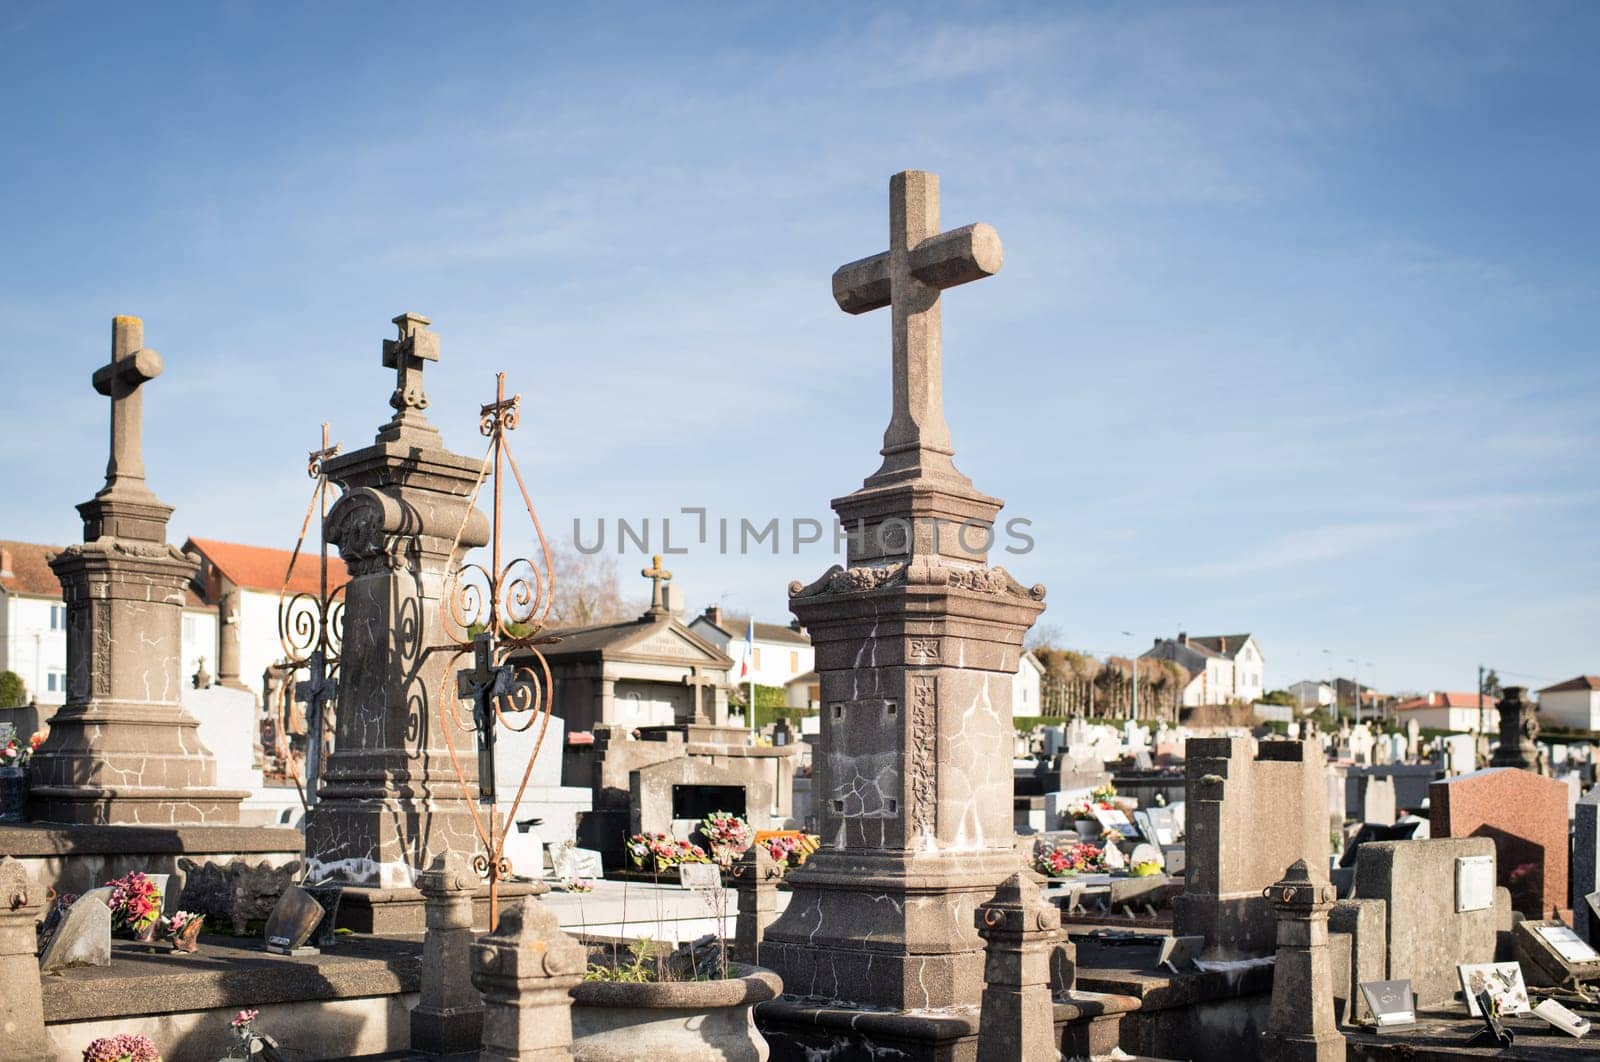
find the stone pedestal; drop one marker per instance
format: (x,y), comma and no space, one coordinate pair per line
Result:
(525,970)
(755,878)
(390,799)
(1518,730)
(1300,1026)
(1021,930)
(122,749)
(449,1016)
(22,1001)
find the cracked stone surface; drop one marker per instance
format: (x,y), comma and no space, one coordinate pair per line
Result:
(122,749)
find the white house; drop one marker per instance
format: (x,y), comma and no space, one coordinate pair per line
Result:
(243,584)
(1573,704)
(1309,694)
(1025,686)
(33,624)
(1222,667)
(778,654)
(1444,710)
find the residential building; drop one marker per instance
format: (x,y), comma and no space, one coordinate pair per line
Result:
(33,624)
(1309,694)
(1571,705)
(804,691)
(243,584)
(1441,710)
(1026,686)
(778,654)
(1223,667)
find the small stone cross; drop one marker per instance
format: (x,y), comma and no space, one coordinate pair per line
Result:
(658,577)
(920,263)
(130,366)
(484,682)
(405,356)
(698,682)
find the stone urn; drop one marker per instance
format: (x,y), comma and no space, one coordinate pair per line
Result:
(673,1021)
(13,794)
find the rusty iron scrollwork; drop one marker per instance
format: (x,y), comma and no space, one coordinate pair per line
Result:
(494,612)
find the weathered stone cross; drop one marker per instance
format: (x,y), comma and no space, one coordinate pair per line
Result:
(920,263)
(658,576)
(698,682)
(130,366)
(406,356)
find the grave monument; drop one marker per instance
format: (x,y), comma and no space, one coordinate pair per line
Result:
(917,640)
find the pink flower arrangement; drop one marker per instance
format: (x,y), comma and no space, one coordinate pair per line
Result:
(135,903)
(727,834)
(1065,860)
(244,1018)
(123,1047)
(791,848)
(658,851)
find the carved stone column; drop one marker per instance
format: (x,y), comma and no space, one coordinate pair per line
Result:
(22,1002)
(389,799)
(1300,1025)
(1022,930)
(755,877)
(1519,728)
(449,1017)
(122,749)
(525,970)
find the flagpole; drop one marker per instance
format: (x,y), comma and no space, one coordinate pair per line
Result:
(749,657)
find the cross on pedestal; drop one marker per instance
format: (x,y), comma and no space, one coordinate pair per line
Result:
(697,682)
(130,366)
(920,263)
(481,685)
(317,690)
(406,356)
(658,577)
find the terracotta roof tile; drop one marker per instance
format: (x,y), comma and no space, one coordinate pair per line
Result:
(262,568)
(1582,682)
(28,572)
(1446,700)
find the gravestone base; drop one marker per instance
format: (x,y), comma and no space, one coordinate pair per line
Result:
(400,912)
(134,806)
(887,928)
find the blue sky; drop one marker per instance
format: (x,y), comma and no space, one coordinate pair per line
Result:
(1296,331)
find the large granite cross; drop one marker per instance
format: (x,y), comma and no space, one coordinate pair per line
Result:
(406,356)
(130,366)
(920,263)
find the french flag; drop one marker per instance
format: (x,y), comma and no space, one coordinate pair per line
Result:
(749,650)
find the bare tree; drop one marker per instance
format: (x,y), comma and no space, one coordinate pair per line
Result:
(587,590)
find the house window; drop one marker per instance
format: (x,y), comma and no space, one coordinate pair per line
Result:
(58,617)
(56,682)
(794,660)
(755,659)
(188,628)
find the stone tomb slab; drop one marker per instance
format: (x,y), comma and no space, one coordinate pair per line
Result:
(1526,817)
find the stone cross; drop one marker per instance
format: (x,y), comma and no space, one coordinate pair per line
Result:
(406,356)
(481,685)
(920,263)
(130,366)
(658,577)
(698,682)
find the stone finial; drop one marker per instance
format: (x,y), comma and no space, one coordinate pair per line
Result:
(1300,1024)
(1021,931)
(525,970)
(22,1002)
(448,1018)
(908,278)
(755,878)
(406,355)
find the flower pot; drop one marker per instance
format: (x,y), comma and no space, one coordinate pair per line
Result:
(673,1021)
(1086,828)
(13,794)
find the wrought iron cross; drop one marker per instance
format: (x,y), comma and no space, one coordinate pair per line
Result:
(658,577)
(484,682)
(130,367)
(920,263)
(317,690)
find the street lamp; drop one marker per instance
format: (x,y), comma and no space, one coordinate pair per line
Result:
(1134,660)
(1333,691)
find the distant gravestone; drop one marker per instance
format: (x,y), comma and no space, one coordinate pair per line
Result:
(1377,800)
(84,938)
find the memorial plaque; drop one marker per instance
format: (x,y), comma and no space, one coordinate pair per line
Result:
(1163,825)
(1391,1002)
(1116,819)
(1501,980)
(293,920)
(1179,953)
(1474,883)
(1552,954)
(1492,1032)
(1567,944)
(1562,1018)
